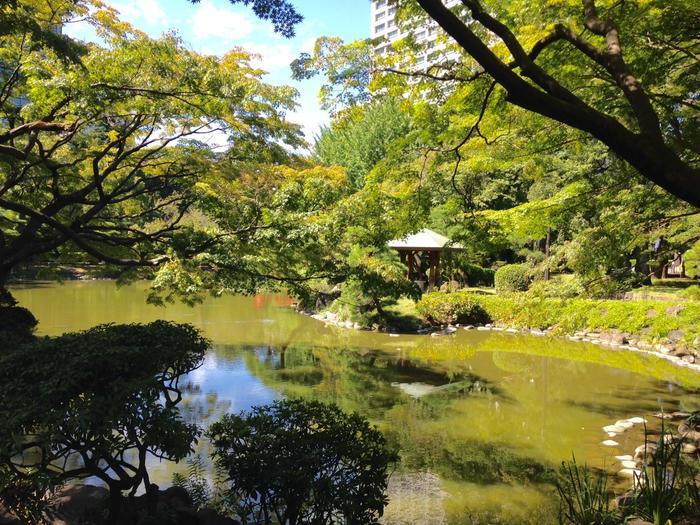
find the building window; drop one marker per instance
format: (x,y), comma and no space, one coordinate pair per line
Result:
(381,3)
(379,16)
(379,28)
(393,33)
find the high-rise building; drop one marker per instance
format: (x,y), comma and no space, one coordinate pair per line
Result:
(383,25)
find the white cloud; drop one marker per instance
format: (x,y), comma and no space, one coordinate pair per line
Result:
(136,11)
(210,21)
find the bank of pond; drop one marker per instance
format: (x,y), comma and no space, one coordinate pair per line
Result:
(480,420)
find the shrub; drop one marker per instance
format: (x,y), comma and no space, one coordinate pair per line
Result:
(16,325)
(478,276)
(299,462)
(108,394)
(692,292)
(562,286)
(512,278)
(449,308)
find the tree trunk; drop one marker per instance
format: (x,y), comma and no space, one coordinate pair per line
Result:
(547,244)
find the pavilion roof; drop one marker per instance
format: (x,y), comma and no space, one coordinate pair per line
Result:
(424,240)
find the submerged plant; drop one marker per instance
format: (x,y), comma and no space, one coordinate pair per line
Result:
(584,496)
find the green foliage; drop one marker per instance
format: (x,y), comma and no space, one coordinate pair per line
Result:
(16,325)
(652,320)
(512,278)
(27,498)
(584,496)
(98,394)
(303,462)
(666,486)
(692,292)
(102,160)
(559,286)
(375,280)
(450,308)
(362,138)
(475,275)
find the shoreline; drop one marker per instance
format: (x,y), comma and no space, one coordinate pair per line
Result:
(688,358)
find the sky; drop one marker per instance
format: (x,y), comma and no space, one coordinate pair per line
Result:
(215,26)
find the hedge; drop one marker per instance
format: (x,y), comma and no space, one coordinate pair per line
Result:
(649,319)
(449,308)
(512,278)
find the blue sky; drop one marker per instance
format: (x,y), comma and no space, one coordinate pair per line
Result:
(214,26)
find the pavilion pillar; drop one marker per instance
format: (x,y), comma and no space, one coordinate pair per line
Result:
(434,269)
(410,265)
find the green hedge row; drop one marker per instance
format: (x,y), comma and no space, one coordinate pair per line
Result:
(648,319)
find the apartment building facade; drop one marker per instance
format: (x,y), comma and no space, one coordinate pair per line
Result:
(383,26)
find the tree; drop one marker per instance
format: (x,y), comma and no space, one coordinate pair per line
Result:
(96,404)
(653,83)
(549,60)
(362,138)
(101,159)
(296,462)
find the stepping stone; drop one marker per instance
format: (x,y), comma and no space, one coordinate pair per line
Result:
(637,420)
(610,443)
(614,428)
(624,423)
(629,472)
(629,464)
(626,457)
(612,434)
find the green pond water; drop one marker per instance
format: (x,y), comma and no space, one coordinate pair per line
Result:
(480,417)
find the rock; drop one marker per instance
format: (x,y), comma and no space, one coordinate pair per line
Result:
(393,335)
(629,463)
(483,328)
(689,448)
(652,313)
(688,359)
(625,501)
(75,501)
(626,457)
(612,434)
(617,338)
(624,423)
(676,416)
(538,333)
(593,335)
(512,330)
(610,443)
(637,420)
(179,494)
(638,522)
(574,337)
(664,349)
(676,335)
(614,428)
(629,472)
(642,451)
(469,327)
(673,311)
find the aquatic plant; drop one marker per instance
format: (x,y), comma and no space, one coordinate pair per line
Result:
(584,496)
(665,489)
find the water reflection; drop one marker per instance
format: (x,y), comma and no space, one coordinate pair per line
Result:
(480,419)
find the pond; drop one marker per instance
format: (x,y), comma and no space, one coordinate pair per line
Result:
(480,417)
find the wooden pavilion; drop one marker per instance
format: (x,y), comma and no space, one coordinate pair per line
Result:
(421,253)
